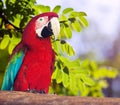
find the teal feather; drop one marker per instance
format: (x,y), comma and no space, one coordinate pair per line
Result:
(12,70)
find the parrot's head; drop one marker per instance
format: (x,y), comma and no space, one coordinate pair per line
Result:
(47,24)
(41,27)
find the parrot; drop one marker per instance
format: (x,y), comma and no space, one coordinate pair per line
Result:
(32,61)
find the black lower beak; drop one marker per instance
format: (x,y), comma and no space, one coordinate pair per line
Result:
(47,31)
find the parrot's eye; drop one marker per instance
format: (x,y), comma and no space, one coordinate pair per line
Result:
(41,19)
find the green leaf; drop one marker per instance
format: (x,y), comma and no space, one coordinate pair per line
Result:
(70,50)
(67,49)
(47,8)
(73,64)
(103,83)
(11,47)
(74,14)
(56,46)
(67,32)
(17,20)
(78,14)
(57,9)
(67,10)
(38,9)
(63,18)
(65,79)
(57,75)
(5,41)
(87,80)
(79,71)
(41,9)
(54,75)
(13,42)
(82,14)
(85,63)
(76,26)
(63,47)
(81,86)
(84,21)
(73,84)
(93,65)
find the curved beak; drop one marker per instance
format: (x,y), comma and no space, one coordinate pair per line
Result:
(55,26)
(51,28)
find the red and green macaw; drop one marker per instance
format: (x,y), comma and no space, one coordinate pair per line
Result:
(32,61)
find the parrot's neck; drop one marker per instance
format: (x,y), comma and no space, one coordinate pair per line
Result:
(33,42)
(40,44)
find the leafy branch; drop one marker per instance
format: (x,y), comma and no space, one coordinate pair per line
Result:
(7,22)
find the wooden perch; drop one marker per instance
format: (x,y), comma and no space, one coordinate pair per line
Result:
(24,98)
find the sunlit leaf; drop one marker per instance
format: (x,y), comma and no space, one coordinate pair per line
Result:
(38,9)
(81,86)
(68,49)
(78,70)
(87,80)
(63,18)
(93,65)
(57,9)
(65,27)
(5,41)
(47,9)
(67,32)
(74,14)
(73,84)
(13,42)
(65,79)
(85,63)
(83,21)
(82,14)
(56,46)
(62,35)
(17,20)
(76,26)
(78,14)
(67,10)
(103,83)
(54,75)
(41,8)
(59,76)
(11,47)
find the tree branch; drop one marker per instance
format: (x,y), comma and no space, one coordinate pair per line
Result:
(6,21)
(24,98)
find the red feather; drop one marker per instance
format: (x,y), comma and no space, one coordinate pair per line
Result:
(37,68)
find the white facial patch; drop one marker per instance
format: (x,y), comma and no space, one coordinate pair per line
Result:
(40,24)
(38,32)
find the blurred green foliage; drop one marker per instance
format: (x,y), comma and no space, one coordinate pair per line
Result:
(71,77)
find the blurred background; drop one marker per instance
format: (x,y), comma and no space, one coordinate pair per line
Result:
(101,40)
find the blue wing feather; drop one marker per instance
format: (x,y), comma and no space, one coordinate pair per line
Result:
(12,70)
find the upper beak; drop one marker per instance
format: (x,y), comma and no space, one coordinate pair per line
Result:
(55,26)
